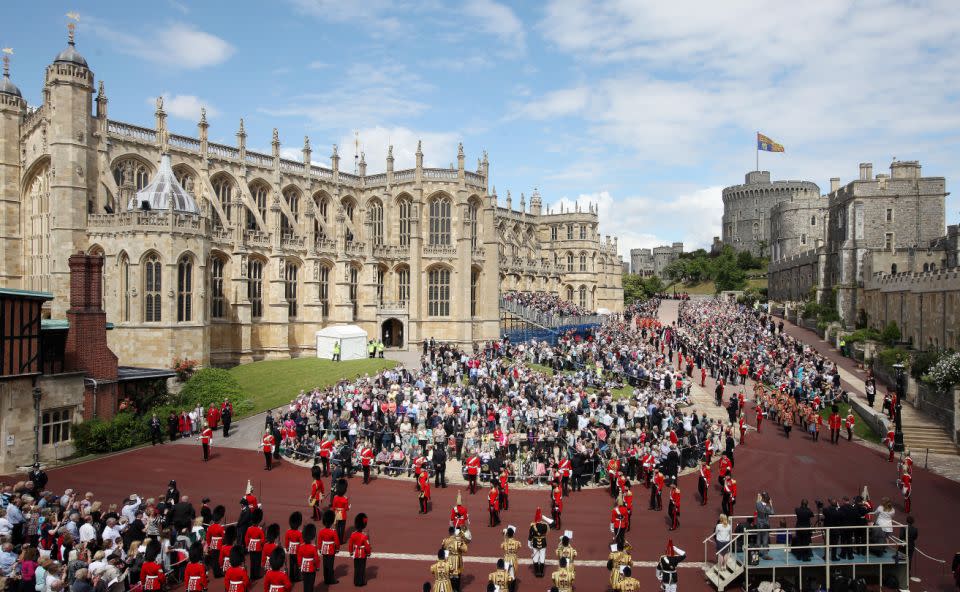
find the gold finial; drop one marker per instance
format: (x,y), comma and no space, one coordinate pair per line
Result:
(72,25)
(7,52)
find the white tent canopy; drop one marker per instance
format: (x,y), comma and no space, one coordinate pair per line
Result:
(353,342)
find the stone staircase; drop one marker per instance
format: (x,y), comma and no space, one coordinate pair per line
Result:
(919,437)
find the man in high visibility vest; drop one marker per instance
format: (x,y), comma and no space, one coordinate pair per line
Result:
(370,349)
(380,349)
(336,351)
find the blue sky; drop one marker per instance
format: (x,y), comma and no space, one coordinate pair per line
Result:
(648,108)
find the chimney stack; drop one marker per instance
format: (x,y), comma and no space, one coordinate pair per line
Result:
(866,171)
(835,183)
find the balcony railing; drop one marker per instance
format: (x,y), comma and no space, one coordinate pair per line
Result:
(440,250)
(325,245)
(256,238)
(392,308)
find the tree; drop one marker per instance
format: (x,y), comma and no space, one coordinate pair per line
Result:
(633,288)
(745,260)
(728,275)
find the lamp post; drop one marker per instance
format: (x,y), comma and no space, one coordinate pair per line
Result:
(37,393)
(898,423)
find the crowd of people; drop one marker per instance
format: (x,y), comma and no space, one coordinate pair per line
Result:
(547,303)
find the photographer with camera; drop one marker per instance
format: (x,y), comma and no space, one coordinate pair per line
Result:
(764,511)
(802,537)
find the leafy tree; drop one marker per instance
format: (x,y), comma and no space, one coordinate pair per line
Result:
(632,288)
(745,260)
(890,333)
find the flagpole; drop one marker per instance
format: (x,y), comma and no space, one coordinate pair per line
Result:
(756,147)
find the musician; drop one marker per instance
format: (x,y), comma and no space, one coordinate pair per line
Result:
(504,489)
(266,446)
(359,548)
(459,518)
(667,567)
(442,571)
(276,579)
(674,509)
(563,577)
(537,541)
(366,459)
(317,491)
(556,505)
(566,551)
(214,539)
(493,505)
(340,505)
(206,438)
(423,485)
(195,574)
(510,546)
(235,578)
(500,577)
(326,451)
(329,544)
(703,482)
(473,470)
(617,561)
(455,545)
(627,582)
(292,540)
(253,543)
(308,558)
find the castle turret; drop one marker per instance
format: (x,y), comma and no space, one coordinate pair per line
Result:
(69,92)
(12,108)
(536,202)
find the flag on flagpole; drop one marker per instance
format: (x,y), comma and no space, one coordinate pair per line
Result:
(767,145)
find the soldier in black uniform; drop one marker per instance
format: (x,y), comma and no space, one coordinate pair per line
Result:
(440,466)
(667,567)
(39,479)
(537,540)
(156,430)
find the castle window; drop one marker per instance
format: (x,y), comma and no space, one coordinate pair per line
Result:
(124,288)
(378,279)
(152,270)
(131,173)
(889,214)
(403,285)
(474,290)
(888,241)
(803,239)
(55,426)
(184,290)
(224,191)
(583,262)
(570,293)
(440,221)
(438,292)
(553,232)
(255,287)
(376,217)
(813,220)
(260,199)
(569,231)
(325,291)
(354,292)
(570,263)
(583,297)
(405,207)
(291,271)
(293,202)
(216,288)
(583,232)
(185,178)
(348,210)
(893,268)
(472,221)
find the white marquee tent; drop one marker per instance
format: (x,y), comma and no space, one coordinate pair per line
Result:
(353,342)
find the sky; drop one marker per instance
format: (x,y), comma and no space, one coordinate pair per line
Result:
(645,108)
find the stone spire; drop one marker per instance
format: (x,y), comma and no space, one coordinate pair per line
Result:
(276,143)
(509,201)
(307,152)
(536,202)
(523,202)
(390,158)
(101,100)
(419,154)
(362,168)
(335,159)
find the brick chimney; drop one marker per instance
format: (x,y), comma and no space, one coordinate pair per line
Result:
(86,349)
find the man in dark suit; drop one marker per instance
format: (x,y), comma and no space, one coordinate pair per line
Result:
(849,517)
(182,514)
(833,519)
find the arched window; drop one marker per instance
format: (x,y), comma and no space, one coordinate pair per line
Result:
(472,216)
(406,207)
(376,217)
(474,290)
(152,284)
(583,262)
(893,268)
(354,292)
(124,288)
(756,231)
(291,271)
(217,301)
(255,287)
(570,293)
(292,196)
(36,221)
(440,221)
(570,263)
(259,193)
(324,291)
(583,297)
(379,275)
(322,204)
(813,220)
(224,191)
(185,178)
(403,285)
(438,292)
(184,289)
(348,207)
(131,174)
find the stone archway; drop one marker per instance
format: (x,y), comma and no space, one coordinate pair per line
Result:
(391,333)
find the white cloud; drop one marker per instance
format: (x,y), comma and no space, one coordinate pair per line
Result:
(317,65)
(184,106)
(559,103)
(174,45)
(498,20)
(439,148)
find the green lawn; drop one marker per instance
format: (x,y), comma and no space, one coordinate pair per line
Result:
(270,384)
(861,428)
(708,288)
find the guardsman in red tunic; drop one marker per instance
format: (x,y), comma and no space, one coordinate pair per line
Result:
(906,465)
(195,574)
(493,505)
(628,503)
(214,536)
(619,522)
(340,505)
(566,469)
(253,543)
(292,539)
(890,439)
(423,483)
(742,423)
(360,549)
(152,578)
(317,491)
(206,438)
(729,495)
(276,579)
(273,535)
(759,417)
(851,421)
(613,469)
(459,519)
(366,459)
(834,423)
(473,470)
(326,451)
(308,558)
(504,490)
(674,509)
(906,486)
(556,506)
(708,450)
(329,543)
(656,491)
(648,463)
(703,483)
(266,446)
(703,376)
(235,578)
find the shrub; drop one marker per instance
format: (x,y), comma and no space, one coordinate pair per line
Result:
(98,436)
(945,373)
(922,362)
(811,310)
(863,335)
(184,368)
(893,355)
(210,385)
(890,334)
